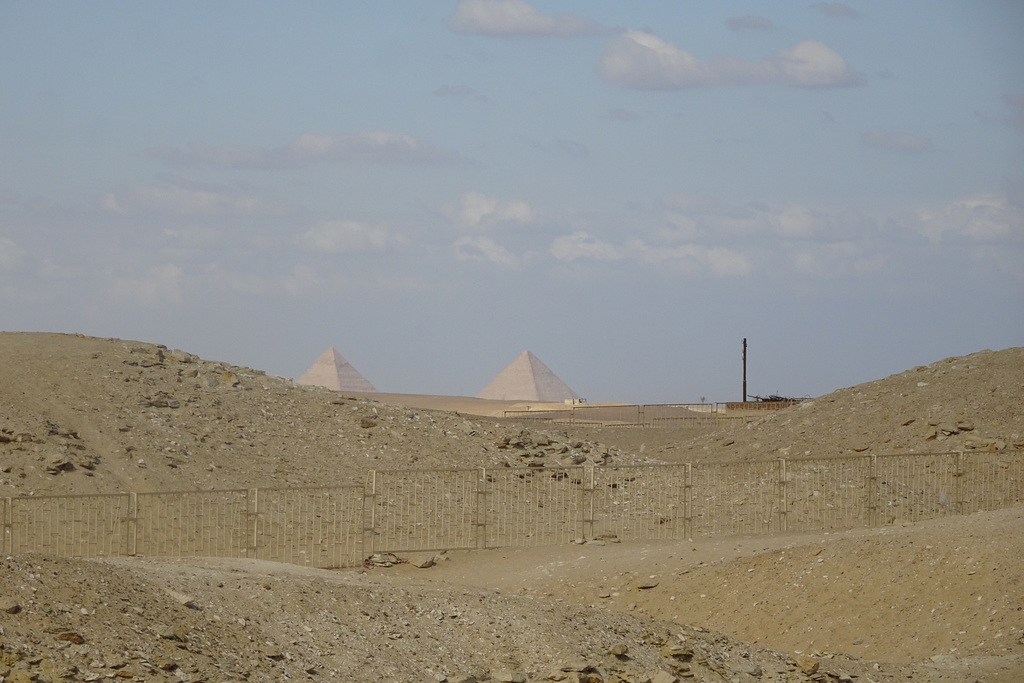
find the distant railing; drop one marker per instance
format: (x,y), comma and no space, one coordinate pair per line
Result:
(404,511)
(680,415)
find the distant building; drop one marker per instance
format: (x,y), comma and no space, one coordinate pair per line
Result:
(527,379)
(332,371)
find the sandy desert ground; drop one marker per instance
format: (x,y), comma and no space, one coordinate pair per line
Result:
(941,600)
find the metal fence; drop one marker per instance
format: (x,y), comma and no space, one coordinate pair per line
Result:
(403,511)
(682,415)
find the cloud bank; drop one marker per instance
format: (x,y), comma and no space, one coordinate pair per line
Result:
(348,237)
(507,18)
(480,212)
(642,61)
(367,147)
(175,196)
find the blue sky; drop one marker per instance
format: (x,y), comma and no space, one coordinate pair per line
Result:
(626,189)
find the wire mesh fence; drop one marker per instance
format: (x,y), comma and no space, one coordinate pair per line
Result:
(987,480)
(697,416)
(414,510)
(640,502)
(735,498)
(428,510)
(315,526)
(825,493)
(67,526)
(192,524)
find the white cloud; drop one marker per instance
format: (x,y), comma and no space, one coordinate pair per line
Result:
(582,245)
(366,147)
(348,237)
(483,249)
(682,227)
(161,285)
(797,220)
(10,254)
(690,217)
(371,147)
(830,260)
(811,64)
(172,197)
(641,60)
(995,257)
(693,258)
(300,280)
(478,211)
(896,142)
(982,218)
(750,22)
(516,18)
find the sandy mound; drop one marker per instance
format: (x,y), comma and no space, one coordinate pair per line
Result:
(948,587)
(963,403)
(87,415)
(942,599)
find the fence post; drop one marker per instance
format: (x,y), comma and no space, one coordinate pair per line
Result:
(783,500)
(587,531)
(688,502)
(369,513)
(481,509)
(8,540)
(958,476)
(873,492)
(133,524)
(253,514)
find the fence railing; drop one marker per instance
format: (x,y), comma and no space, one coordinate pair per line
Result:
(685,415)
(429,510)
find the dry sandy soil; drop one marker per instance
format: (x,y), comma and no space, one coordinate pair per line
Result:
(935,601)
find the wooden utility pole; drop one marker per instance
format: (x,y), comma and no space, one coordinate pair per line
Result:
(744,369)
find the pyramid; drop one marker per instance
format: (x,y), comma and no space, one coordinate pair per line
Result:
(527,379)
(331,370)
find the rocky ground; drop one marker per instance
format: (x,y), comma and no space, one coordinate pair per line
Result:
(86,415)
(936,601)
(963,403)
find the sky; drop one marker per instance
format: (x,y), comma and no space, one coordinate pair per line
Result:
(628,190)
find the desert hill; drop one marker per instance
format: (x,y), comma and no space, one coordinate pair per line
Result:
(89,415)
(936,601)
(961,403)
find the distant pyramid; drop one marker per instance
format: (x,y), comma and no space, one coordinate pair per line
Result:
(331,370)
(527,379)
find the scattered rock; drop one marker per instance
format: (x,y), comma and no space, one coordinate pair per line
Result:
(664,677)
(807,665)
(421,561)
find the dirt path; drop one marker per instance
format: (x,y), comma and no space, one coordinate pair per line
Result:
(939,589)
